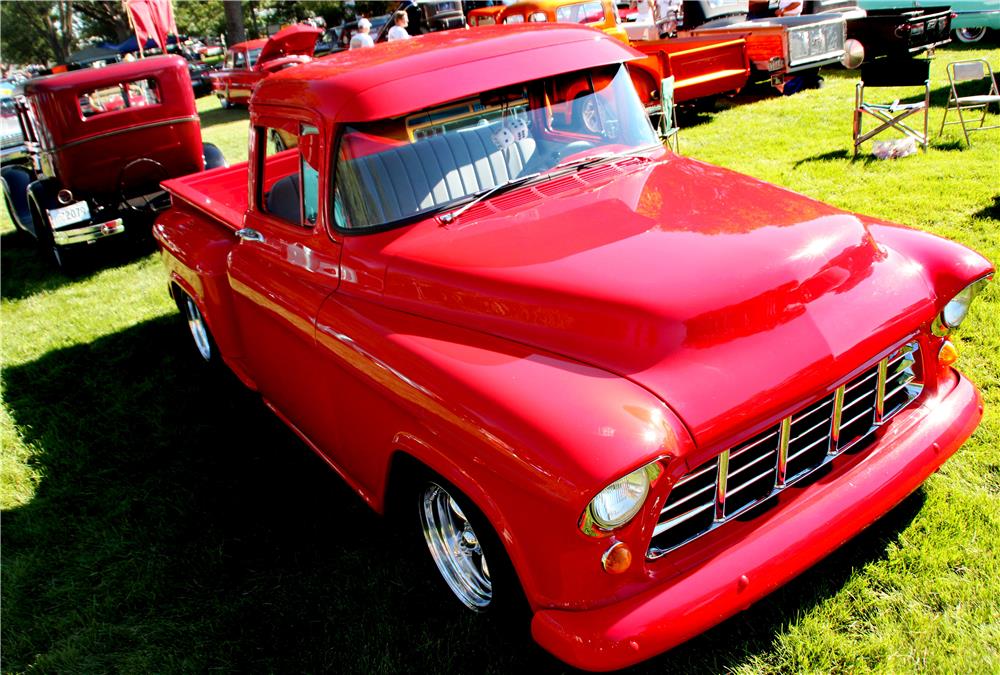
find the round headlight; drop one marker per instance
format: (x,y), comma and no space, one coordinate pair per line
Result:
(618,503)
(955,311)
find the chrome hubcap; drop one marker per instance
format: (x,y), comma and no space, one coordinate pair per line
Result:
(455,548)
(198,330)
(591,118)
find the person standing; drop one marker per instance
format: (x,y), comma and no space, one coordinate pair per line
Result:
(362,38)
(400,21)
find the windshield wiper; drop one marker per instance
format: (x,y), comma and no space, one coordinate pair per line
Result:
(590,160)
(520,180)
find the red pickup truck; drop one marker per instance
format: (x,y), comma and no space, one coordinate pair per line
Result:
(622,389)
(247,63)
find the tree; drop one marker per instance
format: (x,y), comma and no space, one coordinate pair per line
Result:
(104,20)
(203,19)
(37,32)
(235,29)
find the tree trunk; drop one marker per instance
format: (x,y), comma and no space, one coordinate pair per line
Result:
(235,30)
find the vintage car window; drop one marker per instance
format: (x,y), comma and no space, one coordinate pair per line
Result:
(514,18)
(290,172)
(116,97)
(538,17)
(485,21)
(584,12)
(397,169)
(253,55)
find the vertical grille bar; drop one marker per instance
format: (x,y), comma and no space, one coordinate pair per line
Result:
(838,412)
(883,367)
(720,487)
(786,430)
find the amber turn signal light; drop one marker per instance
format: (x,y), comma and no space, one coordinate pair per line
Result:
(948,354)
(617,558)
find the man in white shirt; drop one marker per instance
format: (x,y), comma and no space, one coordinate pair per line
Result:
(362,38)
(400,21)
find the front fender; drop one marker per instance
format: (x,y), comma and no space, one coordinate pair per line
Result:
(528,436)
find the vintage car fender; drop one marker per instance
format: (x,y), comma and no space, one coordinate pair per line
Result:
(490,416)
(948,267)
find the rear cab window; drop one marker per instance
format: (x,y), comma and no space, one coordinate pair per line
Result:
(112,98)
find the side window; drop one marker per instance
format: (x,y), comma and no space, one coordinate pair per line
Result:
(119,96)
(289,174)
(514,18)
(537,16)
(239,59)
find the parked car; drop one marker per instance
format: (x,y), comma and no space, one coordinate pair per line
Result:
(632,390)
(702,65)
(98,142)
(247,63)
(11,138)
(972,18)
(896,32)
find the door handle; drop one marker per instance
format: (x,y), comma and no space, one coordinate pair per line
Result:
(249,234)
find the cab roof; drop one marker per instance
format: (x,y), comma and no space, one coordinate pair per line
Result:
(398,77)
(90,78)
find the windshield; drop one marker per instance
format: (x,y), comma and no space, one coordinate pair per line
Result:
(395,169)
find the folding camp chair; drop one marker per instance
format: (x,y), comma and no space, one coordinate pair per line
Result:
(668,128)
(965,71)
(892,73)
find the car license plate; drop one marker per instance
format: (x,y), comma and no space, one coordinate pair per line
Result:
(67,215)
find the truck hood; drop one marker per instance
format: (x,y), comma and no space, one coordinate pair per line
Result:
(296,40)
(727,297)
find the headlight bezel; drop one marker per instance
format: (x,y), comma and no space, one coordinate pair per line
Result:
(943,325)
(594,525)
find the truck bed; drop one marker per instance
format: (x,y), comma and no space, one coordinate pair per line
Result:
(220,193)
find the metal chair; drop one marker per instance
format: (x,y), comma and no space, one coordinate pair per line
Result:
(966,71)
(892,73)
(668,128)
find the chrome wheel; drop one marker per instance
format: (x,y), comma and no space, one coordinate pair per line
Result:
(974,34)
(591,116)
(456,549)
(199,331)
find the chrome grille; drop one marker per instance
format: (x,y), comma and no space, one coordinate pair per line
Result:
(760,467)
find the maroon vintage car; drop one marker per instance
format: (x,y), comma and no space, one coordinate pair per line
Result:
(247,63)
(624,391)
(98,142)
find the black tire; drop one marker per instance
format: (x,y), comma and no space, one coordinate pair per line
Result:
(433,500)
(16,180)
(201,337)
(212,157)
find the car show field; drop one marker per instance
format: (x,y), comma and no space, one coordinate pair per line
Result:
(157,517)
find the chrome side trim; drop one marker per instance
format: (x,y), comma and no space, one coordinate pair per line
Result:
(126,130)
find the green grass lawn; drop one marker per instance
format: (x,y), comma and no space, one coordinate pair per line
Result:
(156,518)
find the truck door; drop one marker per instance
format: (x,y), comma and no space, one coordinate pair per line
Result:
(284,265)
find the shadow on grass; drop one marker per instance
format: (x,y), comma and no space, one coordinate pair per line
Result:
(25,269)
(215,116)
(179,526)
(991,212)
